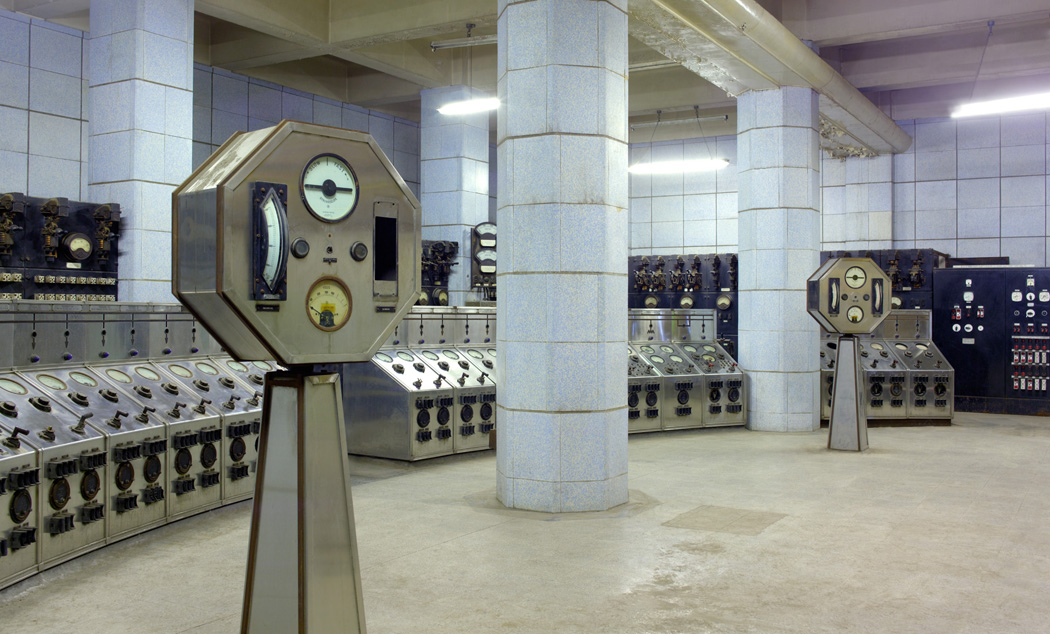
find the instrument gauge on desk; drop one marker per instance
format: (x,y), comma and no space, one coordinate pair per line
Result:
(486,261)
(328,188)
(77,246)
(328,304)
(723,302)
(855,277)
(855,314)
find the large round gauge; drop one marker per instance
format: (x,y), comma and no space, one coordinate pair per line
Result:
(180,371)
(328,304)
(262,365)
(855,277)
(404,356)
(52,382)
(689,348)
(430,355)
(855,314)
(78,246)
(385,358)
(723,302)
(12,386)
(474,353)
(118,376)
(147,374)
(875,345)
(236,366)
(329,188)
(656,358)
(83,379)
(647,350)
(667,349)
(207,368)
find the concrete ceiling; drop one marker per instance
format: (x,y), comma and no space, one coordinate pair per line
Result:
(912,58)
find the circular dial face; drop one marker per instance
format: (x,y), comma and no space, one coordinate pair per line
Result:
(647,350)
(236,366)
(328,304)
(968,297)
(118,376)
(710,358)
(492,352)
(667,349)
(238,449)
(855,314)
(430,355)
(83,379)
(404,356)
(179,370)
(689,348)
(656,358)
(450,355)
(875,345)
(723,302)
(207,368)
(51,381)
(148,374)
(677,359)
(151,469)
(12,386)
(385,358)
(896,302)
(710,348)
(901,346)
(78,246)
(855,277)
(486,259)
(329,188)
(262,365)
(474,353)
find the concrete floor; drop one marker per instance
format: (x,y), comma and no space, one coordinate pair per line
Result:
(935,529)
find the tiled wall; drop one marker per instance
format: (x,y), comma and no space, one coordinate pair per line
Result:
(43,108)
(684,213)
(225,102)
(968,187)
(975,187)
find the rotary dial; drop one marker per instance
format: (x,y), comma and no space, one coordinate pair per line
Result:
(329,188)
(855,277)
(329,304)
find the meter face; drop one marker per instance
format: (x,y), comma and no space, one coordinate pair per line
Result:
(276,238)
(329,188)
(328,304)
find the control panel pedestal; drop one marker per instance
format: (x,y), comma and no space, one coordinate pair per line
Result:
(848,428)
(303,567)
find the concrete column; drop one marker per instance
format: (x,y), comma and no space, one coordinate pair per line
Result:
(141,128)
(778,157)
(454,177)
(562,213)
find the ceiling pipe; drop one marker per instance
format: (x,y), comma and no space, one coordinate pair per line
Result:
(758,25)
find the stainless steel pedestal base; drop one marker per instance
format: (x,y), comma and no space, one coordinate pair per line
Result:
(848,428)
(303,569)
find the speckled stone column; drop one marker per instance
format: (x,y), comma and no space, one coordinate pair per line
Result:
(454,179)
(562,216)
(778,158)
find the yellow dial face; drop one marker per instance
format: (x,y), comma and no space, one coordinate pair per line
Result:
(328,304)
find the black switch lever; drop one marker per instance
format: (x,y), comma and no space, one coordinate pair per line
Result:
(230,403)
(200,406)
(254,401)
(115,421)
(79,427)
(12,441)
(144,416)
(174,412)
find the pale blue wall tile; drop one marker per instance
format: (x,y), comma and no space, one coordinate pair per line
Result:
(978,133)
(170,18)
(978,248)
(202,124)
(701,232)
(406,138)
(726,205)
(14,41)
(166,61)
(14,171)
(903,167)
(978,193)
(201,152)
(229,94)
(327,114)
(224,124)
(15,125)
(535,176)
(1031,251)
(572,99)
(833,172)
(382,130)
(55,137)
(54,177)
(641,235)
(112,157)
(55,51)
(527,35)
(1024,129)
(535,494)
(202,88)
(354,119)
(667,234)
(526,102)
(667,208)
(641,210)
(114,17)
(407,165)
(612,105)
(110,60)
(979,223)
(1023,191)
(727,233)
(296,107)
(699,207)
(935,195)
(54,93)
(936,136)
(1023,221)
(572,33)
(934,224)
(264,103)
(935,165)
(1024,160)
(259,124)
(178,159)
(979,163)
(726,179)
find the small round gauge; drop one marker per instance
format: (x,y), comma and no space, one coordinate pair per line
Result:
(147,374)
(656,359)
(855,314)
(52,382)
(1016,296)
(651,301)
(262,365)
(404,356)
(424,299)
(689,348)
(474,353)
(647,350)
(708,347)
(59,494)
(83,379)
(875,345)
(710,358)
(450,355)
(922,346)
(151,469)
(968,297)
(486,259)
(667,349)
(21,506)
(236,366)
(183,461)
(179,370)
(896,302)
(901,346)
(385,358)
(209,455)
(77,246)
(328,304)
(855,277)
(723,302)
(207,368)
(492,352)
(125,475)
(90,485)
(238,449)
(118,376)
(430,355)
(12,386)
(328,188)
(677,359)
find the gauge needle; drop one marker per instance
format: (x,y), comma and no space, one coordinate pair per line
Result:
(338,189)
(315,310)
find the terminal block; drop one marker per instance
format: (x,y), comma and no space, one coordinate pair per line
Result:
(60,523)
(238,472)
(3,547)
(22,537)
(184,485)
(444,434)
(239,430)
(209,479)
(154,447)
(152,494)
(184,440)
(22,478)
(127,453)
(95,459)
(92,512)
(62,467)
(126,502)
(466,430)
(210,435)
(424,435)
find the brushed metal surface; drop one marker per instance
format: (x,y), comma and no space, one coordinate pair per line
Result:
(23,562)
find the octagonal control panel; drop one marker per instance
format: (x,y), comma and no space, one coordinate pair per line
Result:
(298,242)
(849,295)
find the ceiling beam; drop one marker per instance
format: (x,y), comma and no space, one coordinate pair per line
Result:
(303,22)
(363,24)
(409,61)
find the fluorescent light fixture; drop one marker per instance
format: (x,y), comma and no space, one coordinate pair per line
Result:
(678,167)
(480,40)
(996,106)
(470,106)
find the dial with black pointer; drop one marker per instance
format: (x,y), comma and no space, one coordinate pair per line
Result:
(329,188)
